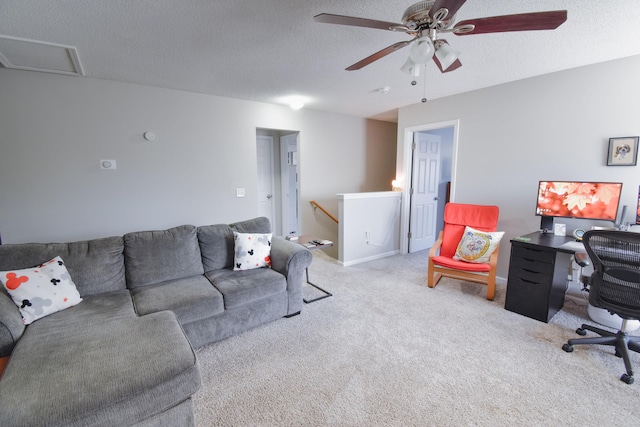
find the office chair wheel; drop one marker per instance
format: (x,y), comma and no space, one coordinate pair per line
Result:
(581,331)
(626,378)
(568,348)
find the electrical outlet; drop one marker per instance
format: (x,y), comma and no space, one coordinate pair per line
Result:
(239,192)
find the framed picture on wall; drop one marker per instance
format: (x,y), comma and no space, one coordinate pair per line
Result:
(623,151)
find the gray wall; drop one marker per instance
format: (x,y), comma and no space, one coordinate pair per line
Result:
(54,129)
(553,127)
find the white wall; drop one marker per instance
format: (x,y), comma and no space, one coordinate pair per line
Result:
(553,127)
(54,129)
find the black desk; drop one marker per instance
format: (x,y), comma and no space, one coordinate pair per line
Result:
(538,275)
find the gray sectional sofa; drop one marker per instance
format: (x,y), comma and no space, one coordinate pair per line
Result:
(125,354)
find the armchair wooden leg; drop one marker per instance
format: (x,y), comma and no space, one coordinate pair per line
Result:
(491,291)
(433,279)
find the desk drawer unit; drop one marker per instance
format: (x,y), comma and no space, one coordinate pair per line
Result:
(537,281)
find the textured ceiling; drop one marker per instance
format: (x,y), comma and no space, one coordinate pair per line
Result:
(264,50)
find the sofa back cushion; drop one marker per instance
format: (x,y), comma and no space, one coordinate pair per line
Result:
(217,243)
(158,256)
(216,246)
(95,266)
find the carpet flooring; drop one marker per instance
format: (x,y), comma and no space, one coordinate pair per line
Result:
(386,350)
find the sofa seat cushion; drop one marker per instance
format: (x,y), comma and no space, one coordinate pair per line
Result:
(116,304)
(191,299)
(97,364)
(242,287)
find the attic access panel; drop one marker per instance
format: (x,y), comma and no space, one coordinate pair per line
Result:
(24,54)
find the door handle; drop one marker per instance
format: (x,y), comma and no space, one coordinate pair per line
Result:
(269,196)
(436,198)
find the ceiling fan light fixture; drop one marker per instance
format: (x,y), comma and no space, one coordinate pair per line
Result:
(411,68)
(422,50)
(446,55)
(426,19)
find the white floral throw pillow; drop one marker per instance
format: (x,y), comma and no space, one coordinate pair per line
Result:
(477,246)
(41,290)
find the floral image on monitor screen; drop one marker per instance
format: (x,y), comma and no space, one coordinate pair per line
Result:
(638,210)
(588,200)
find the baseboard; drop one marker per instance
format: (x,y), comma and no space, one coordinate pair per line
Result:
(367,259)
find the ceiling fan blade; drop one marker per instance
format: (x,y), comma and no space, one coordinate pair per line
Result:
(456,64)
(451,5)
(328,18)
(520,22)
(380,54)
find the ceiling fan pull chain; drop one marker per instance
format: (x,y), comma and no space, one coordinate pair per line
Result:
(424,86)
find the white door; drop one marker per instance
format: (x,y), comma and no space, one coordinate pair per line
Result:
(425,175)
(266,207)
(289,181)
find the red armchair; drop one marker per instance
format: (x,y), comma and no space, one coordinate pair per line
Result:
(441,263)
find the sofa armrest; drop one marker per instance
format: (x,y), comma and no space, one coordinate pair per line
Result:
(11,326)
(290,259)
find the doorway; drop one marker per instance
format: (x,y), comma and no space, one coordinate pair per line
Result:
(423,207)
(278,179)
(425,177)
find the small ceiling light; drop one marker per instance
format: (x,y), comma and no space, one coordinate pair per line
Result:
(422,50)
(296,103)
(446,54)
(384,89)
(411,68)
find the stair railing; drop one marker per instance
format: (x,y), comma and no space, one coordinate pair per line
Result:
(316,205)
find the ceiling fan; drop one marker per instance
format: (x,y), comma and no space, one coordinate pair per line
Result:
(427,20)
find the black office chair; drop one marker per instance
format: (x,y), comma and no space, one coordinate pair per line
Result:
(614,286)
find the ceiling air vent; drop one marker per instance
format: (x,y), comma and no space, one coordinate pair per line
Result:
(24,54)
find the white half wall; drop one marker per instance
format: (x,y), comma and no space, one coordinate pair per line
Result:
(369,226)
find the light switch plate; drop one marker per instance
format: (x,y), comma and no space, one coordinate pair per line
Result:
(239,192)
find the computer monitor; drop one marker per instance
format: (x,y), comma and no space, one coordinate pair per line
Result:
(638,209)
(574,199)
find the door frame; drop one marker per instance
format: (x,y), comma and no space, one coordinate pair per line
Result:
(285,177)
(275,135)
(408,170)
(269,140)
